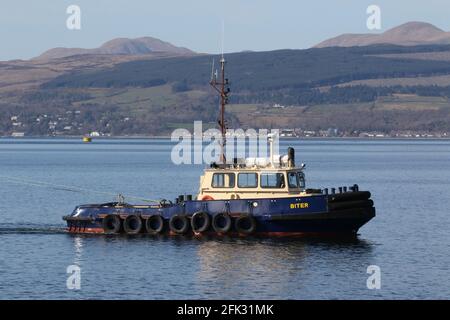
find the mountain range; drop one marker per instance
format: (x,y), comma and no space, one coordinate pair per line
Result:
(407,34)
(119,46)
(395,81)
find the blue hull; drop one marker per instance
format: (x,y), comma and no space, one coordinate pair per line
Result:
(316,214)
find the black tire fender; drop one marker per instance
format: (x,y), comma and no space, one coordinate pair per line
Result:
(132,224)
(179,224)
(200,221)
(245,224)
(221,222)
(111,224)
(154,224)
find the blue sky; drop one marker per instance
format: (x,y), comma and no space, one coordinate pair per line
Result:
(27,28)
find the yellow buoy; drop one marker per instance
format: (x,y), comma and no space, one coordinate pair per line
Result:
(87,139)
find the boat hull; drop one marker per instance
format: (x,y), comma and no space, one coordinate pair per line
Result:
(322,215)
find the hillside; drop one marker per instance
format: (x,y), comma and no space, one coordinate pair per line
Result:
(119,46)
(271,70)
(408,34)
(379,88)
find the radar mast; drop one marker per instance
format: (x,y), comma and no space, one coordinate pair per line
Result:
(220,84)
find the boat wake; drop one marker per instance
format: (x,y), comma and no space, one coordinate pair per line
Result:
(26,228)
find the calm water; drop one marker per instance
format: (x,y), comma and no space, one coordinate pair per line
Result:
(409,239)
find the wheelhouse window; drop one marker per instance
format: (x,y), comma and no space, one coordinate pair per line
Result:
(223,180)
(301,180)
(293,179)
(272,180)
(296,180)
(247,180)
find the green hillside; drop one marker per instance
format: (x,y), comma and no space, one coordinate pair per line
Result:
(271,70)
(313,89)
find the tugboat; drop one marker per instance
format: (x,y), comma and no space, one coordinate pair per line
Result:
(253,196)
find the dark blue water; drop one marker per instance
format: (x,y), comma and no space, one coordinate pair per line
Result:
(409,238)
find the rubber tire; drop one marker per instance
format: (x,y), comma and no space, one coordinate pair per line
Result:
(246,218)
(111,224)
(127,224)
(150,220)
(206,224)
(227,225)
(185,226)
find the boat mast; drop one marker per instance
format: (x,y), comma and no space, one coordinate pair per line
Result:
(221,86)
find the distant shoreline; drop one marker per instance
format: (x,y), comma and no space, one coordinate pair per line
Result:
(168,138)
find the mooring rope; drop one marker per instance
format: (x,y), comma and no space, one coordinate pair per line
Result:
(60,187)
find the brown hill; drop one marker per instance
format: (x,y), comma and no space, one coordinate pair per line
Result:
(408,34)
(119,46)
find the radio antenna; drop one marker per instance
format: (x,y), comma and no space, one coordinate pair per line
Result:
(221,86)
(212,70)
(223,36)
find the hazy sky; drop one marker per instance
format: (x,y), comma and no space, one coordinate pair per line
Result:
(29,27)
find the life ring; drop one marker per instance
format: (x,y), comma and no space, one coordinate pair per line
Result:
(154,224)
(221,222)
(111,224)
(179,224)
(245,224)
(132,224)
(200,221)
(207,198)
